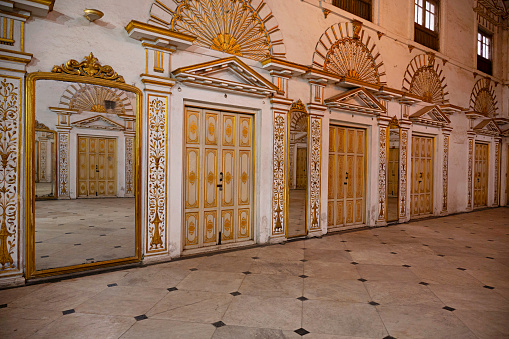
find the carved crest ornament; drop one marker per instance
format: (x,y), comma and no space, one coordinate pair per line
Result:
(90,67)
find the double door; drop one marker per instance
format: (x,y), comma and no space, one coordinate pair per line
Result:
(347,173)
(218,177)
(481,175)
(421,193)
(97,158)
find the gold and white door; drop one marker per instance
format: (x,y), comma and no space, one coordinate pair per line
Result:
(422,176)
(481,175)
(347,177)
(97,167)
(218,178)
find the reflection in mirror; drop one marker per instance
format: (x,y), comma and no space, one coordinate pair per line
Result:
(393,174)
(298,176)
(84,159)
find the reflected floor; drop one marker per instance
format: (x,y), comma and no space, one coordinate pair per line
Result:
(297,213)
(74,232)
(392,208)
(44,189)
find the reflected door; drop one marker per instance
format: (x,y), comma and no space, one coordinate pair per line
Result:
(422,176)
(481,175)
(218,178)
(96,167)
(302,172)
(346,203)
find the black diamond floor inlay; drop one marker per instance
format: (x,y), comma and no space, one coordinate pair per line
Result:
(389,337)
(3,306)
(301,332)
(462,269)
(488,287)
(68,311)
(424,283)
(373,303)
(38,242)
(255,258)
(343,240)
(303,298)
(117,246)
(447,308)
(394,253)
(246,272)
(218,324)
(303,276)
(490,258)
(406,265)
(362,279)
(384,243)
(171,289)
(354,263)
(348,250)
(236,293)
(141,317)
(303,260)
(193,269)
(441,255)
(468,246)
(77,244)
(44,256)
(112,285)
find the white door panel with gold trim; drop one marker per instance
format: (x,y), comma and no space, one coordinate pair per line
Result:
(347,177)
(97,167)
(218,178)
(422,176)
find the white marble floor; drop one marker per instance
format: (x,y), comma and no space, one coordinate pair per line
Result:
(438,278)
(74,232)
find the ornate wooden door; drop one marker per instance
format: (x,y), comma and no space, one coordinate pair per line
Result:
(422,176)
(393,172)
(347,177)
(481,175)
(218,177)
(97,167)
(302,170)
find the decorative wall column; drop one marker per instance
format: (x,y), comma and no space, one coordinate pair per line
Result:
(404,202)
(470,170)
(446,131)
(159,44)
(496,191)
(383,126)
(316,113)
(13,61)
(63,128)
(280,109)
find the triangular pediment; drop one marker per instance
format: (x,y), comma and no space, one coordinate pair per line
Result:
(226,74)
(98,122)
(358,100)
(487,127)
(431,116)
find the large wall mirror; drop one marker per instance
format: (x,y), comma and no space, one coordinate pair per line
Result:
(83,148)
(298,171)
(393,172)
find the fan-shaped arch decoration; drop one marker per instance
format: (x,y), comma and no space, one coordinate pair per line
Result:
(298,117)
(347,50)
(483,98)
(240,27)
(424,77)
(93,98)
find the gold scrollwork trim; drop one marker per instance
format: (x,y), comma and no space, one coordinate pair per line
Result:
(90,67)
(31,272)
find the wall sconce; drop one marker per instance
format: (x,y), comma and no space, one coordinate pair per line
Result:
(93,14)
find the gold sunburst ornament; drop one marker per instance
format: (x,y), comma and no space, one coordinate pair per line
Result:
(483,99)
(424,77)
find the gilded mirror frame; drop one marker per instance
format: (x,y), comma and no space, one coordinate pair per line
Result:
(394,124)
(31,80)
(296,107)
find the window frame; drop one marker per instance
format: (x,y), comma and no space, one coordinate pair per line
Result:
(484,64)
(424,10)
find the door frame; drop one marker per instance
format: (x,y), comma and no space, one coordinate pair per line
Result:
(434,164)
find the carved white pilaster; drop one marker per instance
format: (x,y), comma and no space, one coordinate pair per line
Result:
(470,168)
(446,131)
(383,125)
(404,201)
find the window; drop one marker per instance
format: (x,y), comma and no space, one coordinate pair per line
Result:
(426,23)
(484,51)
(361,8)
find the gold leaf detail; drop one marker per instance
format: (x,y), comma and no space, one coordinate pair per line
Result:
(210,178)
(228,177)
(244,177)
(90,67)
(192,177)
(227,44)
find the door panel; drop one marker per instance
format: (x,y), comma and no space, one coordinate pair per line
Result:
(218,178)
(421,192)
(97,167)
(481,175)
(346,181)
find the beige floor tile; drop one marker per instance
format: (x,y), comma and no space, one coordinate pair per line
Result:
(338,290)
(401,293)
(169,329)
(236,332)
(422,322)
(272,267)
(9,295)
(23,322)
(337,256)
(154,277)
(254,311)
(194,306)
(378,257)
(346,319)
(122,301)
(451,276)
(221,263)
(330,270)
(86,326)
(280,253)
(272,285)
(207,281)
(387,273)
(470,298)
(485,324)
